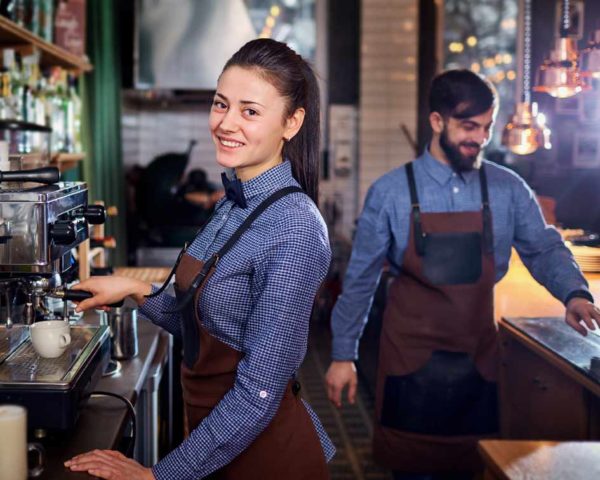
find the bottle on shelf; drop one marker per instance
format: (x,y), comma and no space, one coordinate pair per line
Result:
(47,20)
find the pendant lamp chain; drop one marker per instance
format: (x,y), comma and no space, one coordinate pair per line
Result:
(526,97)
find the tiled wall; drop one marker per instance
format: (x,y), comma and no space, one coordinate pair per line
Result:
(388,86)
(149,131)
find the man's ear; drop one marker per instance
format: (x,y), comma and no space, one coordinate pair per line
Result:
(437,122)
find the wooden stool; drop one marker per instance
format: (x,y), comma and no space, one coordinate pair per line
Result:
(535,460)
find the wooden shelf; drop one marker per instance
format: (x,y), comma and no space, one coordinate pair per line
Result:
(66,161)
(14,36)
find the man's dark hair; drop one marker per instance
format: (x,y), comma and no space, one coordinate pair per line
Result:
(461,94)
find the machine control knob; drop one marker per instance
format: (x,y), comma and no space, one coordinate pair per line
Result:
(94,214)
(63,232)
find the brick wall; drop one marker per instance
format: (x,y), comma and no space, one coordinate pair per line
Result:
(388,87)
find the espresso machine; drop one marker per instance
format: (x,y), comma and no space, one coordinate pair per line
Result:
(41,221)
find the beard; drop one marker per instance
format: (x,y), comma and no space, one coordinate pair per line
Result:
(459,162)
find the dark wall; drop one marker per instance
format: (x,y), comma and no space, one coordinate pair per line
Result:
(428,65)
(554,174)
(343,25)
(126,30)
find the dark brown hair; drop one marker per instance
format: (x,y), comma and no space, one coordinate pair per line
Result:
(295,81)
(461,94)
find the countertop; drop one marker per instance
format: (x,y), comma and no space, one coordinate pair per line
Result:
(551,335)
(529,460)
(519,295)
(102,420)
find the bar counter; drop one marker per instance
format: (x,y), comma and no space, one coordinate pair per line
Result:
(548,390)
(102,421)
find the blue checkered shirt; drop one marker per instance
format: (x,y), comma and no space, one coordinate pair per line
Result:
(383,230)
(259,302)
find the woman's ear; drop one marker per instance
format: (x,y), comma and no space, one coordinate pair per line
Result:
(437,122)
(293,124)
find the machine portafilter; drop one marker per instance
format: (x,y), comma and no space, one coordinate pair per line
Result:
(46,175)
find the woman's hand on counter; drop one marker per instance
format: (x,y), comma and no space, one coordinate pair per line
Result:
(110,465)
(111,289)
(582,310)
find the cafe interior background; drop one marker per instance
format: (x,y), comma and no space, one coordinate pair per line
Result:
(133,116)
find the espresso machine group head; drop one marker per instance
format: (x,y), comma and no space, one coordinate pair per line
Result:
(41,221)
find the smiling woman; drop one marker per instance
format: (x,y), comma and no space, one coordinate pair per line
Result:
(248,123)
(244,295)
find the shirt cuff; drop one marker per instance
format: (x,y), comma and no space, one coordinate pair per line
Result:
(173,466)
(344,349)
(151,306)
(579,294)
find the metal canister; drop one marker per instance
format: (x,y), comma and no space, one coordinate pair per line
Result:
(123,332)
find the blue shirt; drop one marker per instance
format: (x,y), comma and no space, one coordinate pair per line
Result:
(383,229)
(259,302)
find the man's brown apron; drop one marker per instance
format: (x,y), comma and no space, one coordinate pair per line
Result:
(436,391)
(289,448)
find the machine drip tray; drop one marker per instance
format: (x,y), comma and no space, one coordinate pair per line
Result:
(25,366)
(52,389)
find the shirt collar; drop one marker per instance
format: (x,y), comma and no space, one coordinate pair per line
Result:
(441,172)
(273,179)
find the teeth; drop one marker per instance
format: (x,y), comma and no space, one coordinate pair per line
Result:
(229,143)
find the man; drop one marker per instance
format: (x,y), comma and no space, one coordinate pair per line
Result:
(445,223)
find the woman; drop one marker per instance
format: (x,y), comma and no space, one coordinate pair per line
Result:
(245,287)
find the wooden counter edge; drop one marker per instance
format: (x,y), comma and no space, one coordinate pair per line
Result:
(550,356)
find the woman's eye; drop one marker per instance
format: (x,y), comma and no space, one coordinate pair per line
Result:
(251,112)
(219,105)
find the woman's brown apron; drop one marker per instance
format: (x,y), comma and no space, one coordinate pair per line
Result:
(436,392)
(289,448)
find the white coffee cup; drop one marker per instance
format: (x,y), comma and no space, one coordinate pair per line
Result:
(50,337)
(14,446)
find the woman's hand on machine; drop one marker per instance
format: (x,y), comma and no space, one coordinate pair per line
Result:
(110,465)
(107,290)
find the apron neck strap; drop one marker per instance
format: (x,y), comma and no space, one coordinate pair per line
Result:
(415,210)
(202,275)
(419,235)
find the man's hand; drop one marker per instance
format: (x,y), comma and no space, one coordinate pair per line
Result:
(110,465)
(582,310)
(338,376)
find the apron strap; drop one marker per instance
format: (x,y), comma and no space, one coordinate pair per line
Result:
(166,283)
(214,259)
(488,240)
(416,212)
(488,234)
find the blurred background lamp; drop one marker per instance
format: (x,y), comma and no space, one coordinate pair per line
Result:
(559,75)
(527,130)
(523,134)
(590,57)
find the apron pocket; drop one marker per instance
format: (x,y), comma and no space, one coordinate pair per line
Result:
(447,396)
(452,258)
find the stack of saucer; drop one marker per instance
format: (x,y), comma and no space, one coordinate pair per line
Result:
(588,258)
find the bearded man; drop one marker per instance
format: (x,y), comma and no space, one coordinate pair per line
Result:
(445,224)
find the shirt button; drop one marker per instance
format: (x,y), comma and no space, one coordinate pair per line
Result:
(262,394)
(455,189)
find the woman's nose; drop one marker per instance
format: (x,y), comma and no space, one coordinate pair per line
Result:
(229,122)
